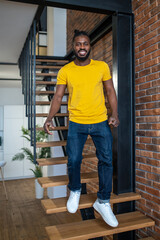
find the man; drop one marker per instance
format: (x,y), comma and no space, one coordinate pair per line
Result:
(85,79)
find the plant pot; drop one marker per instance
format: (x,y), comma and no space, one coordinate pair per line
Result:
(39,190)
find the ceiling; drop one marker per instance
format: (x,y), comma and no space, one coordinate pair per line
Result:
(15,21)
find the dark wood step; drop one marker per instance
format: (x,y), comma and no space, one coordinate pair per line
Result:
(51,144)
(55,128)
(48,103)
(57,115)
(86,201)
(98,228)
(47,67)
(46,74)
(60,160)
(55,143)
(51,60)
(46,182)
(46,82)
(48,92)
(148,238)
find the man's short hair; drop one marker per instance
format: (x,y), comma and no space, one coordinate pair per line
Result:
(78,33)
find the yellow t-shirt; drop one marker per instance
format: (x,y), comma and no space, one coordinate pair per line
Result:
(86,103)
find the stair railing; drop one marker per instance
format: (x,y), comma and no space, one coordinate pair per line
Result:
(27,65)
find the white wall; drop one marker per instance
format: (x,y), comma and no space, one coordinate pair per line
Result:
(11,93)
(12,118)
(57,33)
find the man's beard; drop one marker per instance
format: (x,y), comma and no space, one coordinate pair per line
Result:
(82,59)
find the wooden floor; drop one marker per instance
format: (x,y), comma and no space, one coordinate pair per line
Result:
(22,216)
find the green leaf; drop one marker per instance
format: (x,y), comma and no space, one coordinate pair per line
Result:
(18,156)
(37,172)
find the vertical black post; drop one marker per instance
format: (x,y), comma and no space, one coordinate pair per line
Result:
(34,88)
(29,81)
(27,107)
(32,37)
(124,136)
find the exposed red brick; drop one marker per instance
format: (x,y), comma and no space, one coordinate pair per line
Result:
(152,91)
(156,68)
(156,126)
(156,83)
(144,167)
(150,112)
(145,139)
(148,43)
(152,162)
(154,177)
(151,63)
(152,48)
(140,93)
(156,97)
(147,84)
(152,147)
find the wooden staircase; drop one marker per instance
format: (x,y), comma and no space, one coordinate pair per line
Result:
(89,228)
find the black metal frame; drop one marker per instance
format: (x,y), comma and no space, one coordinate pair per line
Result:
(27,64)
(123,73)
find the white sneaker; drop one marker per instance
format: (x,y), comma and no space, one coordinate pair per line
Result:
(104,209)
(73,201)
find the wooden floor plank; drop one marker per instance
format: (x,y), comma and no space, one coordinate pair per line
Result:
(46,182)
(86,200)
(22,216)
(98,228)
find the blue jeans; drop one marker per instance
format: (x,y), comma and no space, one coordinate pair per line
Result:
(102,138)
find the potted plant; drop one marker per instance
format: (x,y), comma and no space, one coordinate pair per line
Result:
(27,153)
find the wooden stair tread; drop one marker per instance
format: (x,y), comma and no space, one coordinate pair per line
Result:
(47,67)
(51,60)
(55,128)
(148,238)
(51,144)
(60,160)
(48,103)
(46,82)
(55,143)
(86,200)
(48,92)
(98,228)
(46,74)
(46,182)
(57,115)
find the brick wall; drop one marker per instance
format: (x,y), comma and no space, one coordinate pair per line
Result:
(147,101)
(148,110)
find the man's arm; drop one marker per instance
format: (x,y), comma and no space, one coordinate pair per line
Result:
(55,105)
(111,94)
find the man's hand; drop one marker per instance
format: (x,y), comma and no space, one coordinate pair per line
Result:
(47,124)
(114,121)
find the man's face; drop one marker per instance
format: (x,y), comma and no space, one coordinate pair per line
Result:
(81,47)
